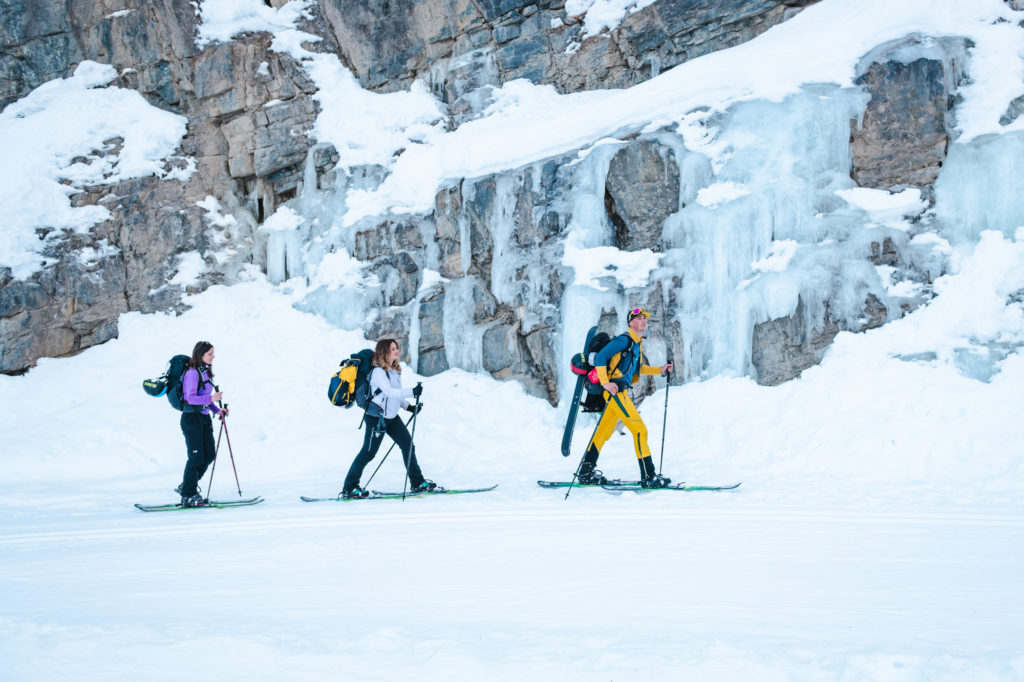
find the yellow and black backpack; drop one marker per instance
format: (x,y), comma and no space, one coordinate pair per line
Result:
(350,385)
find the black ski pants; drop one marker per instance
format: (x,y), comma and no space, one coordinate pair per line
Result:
(198,430)
(371,443)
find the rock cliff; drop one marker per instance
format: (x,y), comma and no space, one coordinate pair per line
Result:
(251,112)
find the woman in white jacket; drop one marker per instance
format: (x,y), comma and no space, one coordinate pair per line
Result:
(386,397)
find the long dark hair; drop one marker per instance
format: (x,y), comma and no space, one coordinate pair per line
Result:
(196,361)
(380,355)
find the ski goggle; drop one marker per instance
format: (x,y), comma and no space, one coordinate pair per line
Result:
(636,312)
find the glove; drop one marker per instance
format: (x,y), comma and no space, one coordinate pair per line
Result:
(417,391)
(415,409)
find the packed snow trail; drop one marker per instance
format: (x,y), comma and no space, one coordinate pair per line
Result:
(485,587)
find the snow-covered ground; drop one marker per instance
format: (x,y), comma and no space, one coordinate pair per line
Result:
(878,533)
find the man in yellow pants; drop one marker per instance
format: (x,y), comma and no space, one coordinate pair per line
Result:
(625,356)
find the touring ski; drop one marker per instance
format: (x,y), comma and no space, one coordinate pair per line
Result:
(374,495)
(574,406)
(636,487)
(439,490)
(215,504)
(577,484)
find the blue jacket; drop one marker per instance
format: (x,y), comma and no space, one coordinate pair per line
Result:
(625,355)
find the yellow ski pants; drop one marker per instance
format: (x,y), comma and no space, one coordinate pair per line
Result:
(621,408)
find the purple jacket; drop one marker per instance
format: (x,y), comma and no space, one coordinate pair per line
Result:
(202,396)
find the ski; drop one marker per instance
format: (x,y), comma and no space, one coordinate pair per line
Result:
(577,484)
(636,487)
(439,490)
(574,406)
(374,495)
(214,504)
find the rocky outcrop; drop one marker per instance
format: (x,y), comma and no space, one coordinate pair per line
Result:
(432,358)
(908,123)
(462,45)
(70,306)
(641,192)
(783,348)
(517,217)
(249,112)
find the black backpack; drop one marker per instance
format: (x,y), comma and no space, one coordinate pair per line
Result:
(169,383)
(583,363)
(350,385)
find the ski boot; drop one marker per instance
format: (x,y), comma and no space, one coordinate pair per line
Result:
(356,493)
(193,501)
(424,487)
(589,474)
(649,478)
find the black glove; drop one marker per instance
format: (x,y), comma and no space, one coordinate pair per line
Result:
(415,409)
(417,391)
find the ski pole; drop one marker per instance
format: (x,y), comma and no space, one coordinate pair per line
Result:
(578,468)
(412,436)
(216,450)
(386,454)
(575,474)
(213,469)
(227,437)
(664,419)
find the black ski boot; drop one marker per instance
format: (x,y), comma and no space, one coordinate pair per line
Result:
(356,493)
(182,485)
(425,487)
(649,478)
(194,501)
(589,474)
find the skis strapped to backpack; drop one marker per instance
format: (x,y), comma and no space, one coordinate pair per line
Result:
(570,423)
(582,365)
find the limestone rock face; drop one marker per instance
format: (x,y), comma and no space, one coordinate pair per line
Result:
(519,214)
(907,123)
(464,44)
(641,191)
(783,348)
(432,359)
(70,306)
(249,112)
(497,242)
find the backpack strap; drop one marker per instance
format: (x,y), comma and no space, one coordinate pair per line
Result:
(187,406)
(628,349)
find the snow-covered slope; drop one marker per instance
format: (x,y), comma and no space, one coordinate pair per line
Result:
(878,533)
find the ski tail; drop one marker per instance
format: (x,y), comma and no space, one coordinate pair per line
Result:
(574,406)
(577,484)
(636,487)
(440,490)
(570,424)
(209,504)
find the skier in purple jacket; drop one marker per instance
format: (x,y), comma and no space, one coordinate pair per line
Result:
(199,396)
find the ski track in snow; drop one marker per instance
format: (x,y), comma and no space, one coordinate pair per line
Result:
(359,518)
(486,590)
